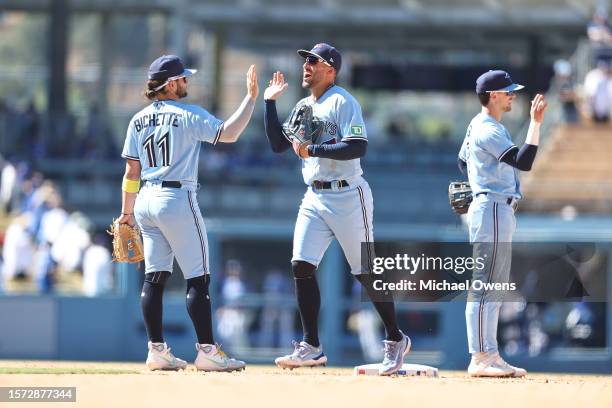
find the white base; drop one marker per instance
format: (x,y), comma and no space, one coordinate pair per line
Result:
(407,370)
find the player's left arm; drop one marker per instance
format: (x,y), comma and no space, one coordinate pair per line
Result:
(351,127)
(344,150)
(235,125)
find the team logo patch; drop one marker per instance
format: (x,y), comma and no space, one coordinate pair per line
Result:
(357,130)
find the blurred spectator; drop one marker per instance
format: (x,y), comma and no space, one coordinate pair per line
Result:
(8,185)
(598,92)
(69,246)
(97,268)
(51,223)
(567,92)
(29,131)
(233,320)
(277,319)
(97,141)
(599,32)
(17,251)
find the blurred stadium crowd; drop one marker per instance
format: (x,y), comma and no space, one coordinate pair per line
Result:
(45,244)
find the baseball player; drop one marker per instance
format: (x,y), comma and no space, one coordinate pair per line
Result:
(337,203)
(162,148)
(490,160)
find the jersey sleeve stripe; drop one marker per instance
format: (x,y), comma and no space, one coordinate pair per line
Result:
(218,135)
(501,156)
(125,156)
(355,138)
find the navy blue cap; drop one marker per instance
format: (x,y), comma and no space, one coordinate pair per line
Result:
(327,53)
(169,67)
(496,80)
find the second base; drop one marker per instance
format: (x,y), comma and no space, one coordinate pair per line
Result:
(407,370)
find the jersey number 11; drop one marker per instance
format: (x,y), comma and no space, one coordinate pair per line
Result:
(164,146)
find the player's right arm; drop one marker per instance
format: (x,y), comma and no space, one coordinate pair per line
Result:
(131,178)
(274,130)
(523,159)
(463,152)
(128,195)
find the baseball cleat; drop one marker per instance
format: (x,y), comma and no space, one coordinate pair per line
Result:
(211,358)
(492,365)
(518,372)
(160,358)
(304,355)
(395,351)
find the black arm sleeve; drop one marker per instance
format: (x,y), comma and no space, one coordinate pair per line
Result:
(521,159)
(347,150)
(274,130)
(462,166)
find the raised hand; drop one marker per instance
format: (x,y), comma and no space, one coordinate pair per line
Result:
(276,87)
(251,82)
(538,107)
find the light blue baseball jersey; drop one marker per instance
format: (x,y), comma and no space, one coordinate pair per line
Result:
(165,138)
(486,141)
(342,120)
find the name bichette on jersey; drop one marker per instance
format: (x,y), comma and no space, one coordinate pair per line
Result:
(156,119)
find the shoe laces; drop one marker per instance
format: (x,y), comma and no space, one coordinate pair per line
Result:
(299,348)
(497,359)
(220,352)
(390,349)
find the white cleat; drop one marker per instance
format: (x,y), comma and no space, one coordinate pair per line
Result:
(211,358)
(304,355)
(492,365)
(395,352)
(160,358)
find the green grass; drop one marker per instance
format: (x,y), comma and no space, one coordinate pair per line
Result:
(64,370)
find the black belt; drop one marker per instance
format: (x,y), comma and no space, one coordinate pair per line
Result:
(326,185)
(172,184)
(508,201)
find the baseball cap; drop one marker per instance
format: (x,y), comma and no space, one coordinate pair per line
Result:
(496,80)
(169,67)
(326,52)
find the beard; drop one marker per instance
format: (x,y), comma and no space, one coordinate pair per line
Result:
(307,84)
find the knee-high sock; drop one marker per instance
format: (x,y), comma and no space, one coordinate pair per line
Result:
(309,303)
(385,307)
(151,302)
(198,306)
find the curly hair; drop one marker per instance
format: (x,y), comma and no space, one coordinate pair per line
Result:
(150,93)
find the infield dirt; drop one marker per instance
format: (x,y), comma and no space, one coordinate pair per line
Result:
(129,385)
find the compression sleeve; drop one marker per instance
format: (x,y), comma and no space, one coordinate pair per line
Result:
(344,150)
(274,131)
(521,159)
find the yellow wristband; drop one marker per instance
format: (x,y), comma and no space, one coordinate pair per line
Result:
(130,186)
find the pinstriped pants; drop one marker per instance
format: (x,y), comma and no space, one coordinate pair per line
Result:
(491,225)
(345,214)
(172,226)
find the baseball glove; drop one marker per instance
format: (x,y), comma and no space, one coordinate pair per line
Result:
(302,126)
(127,243)
(460,196)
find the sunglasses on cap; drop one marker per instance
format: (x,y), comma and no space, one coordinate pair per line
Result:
(312,60)
(509,93)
